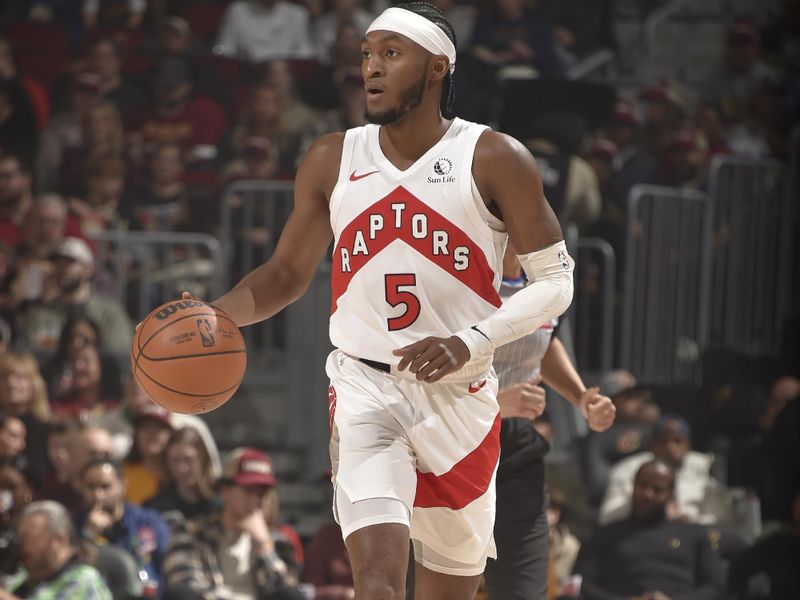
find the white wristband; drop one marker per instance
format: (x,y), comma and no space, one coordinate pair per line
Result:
(477,342)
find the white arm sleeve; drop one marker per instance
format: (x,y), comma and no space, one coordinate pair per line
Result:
(547,296)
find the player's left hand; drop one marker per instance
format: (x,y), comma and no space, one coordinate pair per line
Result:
(598,410)
(433,357)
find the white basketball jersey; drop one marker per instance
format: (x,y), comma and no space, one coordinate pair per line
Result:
(417,253)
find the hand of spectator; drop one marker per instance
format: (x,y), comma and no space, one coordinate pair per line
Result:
(526,400)
(564,37)
(598,410)
(521,50)
(256,525)
(433,357)
(674,512)
(97,521)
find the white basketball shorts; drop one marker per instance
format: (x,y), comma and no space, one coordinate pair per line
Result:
(435,447)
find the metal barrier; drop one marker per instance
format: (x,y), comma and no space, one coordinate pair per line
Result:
(595,281)
(665,319)
(146,268)
(752,255)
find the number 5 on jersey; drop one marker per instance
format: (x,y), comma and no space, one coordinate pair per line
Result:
(396,296)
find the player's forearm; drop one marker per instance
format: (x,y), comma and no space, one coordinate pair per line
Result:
(262,293)
(560,374)
(547,297)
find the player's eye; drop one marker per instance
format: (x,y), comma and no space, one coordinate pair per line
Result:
(364,54)
(391,53)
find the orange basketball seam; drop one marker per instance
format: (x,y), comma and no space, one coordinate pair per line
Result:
(174,391)
(219,353)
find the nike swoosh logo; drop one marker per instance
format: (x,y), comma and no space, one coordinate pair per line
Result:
(354,177)
(475,327)
(476,387)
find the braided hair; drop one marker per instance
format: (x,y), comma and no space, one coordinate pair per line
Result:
(436,16)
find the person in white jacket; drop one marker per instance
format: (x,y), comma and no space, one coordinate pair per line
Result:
(699,498)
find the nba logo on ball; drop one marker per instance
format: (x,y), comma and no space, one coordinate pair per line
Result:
(206,333)
(188,356)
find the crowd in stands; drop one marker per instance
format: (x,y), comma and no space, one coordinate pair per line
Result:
(134,114)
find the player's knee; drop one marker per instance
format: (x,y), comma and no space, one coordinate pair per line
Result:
(378,586)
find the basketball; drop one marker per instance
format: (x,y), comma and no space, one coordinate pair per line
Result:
(188,356)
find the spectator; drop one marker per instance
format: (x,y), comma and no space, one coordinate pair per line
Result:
(77,332)
(664,111)
(686,160)
(36,93)
(90,390)
(697,494)
(135,402)
(23,395)
(187,488)
(113,13)
(570,185)
(709,122)
(510,34)
(260,160)
(109,519)
(161,202)
(327,566)
(19,131)
(70,291)
(783,465)
(15,495)
(742,73)
(106,59)
(178,115)
(564,546)
(325,27)
(259,30)
(634,163)
(351,111)
(55,563)
(56,440)
(98,211)
(648,555)
(12,442)
(102,139)
(16,198)
(45,226)
(144,467)
(84,443)
(776,557)
(763,131)
(65,128)
(233,552)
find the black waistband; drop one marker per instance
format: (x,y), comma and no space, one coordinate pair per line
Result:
(376,365)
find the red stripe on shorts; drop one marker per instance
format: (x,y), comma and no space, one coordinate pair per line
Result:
(468,480)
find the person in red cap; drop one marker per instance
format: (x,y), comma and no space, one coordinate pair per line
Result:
(233,553)
(686,161)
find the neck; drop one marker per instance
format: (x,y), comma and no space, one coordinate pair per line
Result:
(230,522)
(80,295)
(187,492)
(406,140)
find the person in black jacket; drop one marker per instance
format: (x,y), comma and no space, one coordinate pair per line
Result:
(648,556)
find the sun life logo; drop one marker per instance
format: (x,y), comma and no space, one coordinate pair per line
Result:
(443,166)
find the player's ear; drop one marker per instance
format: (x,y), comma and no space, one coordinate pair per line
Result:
(440,67)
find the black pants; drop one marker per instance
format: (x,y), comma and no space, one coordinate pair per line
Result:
(521,535)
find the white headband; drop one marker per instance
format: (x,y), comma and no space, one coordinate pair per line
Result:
(418,29)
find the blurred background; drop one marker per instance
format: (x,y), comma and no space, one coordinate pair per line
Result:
(149,146)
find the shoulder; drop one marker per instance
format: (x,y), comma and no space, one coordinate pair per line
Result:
(320,164)
(500,157)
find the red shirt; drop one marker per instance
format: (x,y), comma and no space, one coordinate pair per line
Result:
(201,121)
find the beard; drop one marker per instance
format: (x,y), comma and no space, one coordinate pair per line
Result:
(409,100)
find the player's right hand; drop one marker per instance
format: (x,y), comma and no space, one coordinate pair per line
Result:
(526,400)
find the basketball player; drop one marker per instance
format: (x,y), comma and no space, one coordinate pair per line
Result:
(521,529)
(420,206)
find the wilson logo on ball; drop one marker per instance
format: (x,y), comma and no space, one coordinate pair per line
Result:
(206,333)
(171,309)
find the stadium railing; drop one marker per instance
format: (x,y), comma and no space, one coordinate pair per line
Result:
(147,268)
(666,291)
(751,277)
